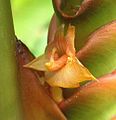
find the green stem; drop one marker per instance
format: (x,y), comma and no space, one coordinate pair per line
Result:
(9,94)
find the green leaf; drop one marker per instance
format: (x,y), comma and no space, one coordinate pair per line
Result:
(96,101)
(99,53)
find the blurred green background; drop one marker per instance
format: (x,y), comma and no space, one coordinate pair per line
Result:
(31,21)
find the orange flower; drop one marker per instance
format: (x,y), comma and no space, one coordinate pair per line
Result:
(62,68)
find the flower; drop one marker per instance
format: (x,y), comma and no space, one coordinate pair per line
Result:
(60,64)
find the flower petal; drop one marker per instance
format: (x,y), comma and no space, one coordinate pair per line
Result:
(38,63)
(69,76)
(59,42)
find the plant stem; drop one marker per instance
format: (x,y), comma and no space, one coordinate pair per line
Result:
(9,94)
